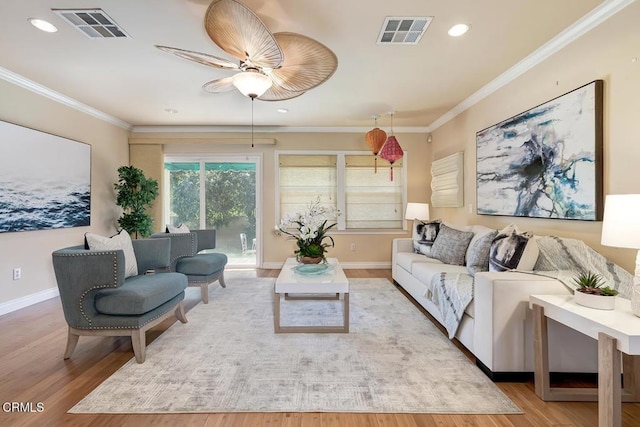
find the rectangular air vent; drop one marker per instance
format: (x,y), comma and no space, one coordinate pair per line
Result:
(408,30)
(93,23)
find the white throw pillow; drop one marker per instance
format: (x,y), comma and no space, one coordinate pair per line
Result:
(424,234)
(182,228)
(122,240)
(513,250)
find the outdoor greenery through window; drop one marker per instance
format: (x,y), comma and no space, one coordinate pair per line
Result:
(346,181)
(220,195)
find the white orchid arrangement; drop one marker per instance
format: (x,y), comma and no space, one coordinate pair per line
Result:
(310,229)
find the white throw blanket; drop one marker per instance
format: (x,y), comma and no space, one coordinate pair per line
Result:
(452,293)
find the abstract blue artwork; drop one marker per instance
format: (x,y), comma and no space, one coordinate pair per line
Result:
(45,180)
(545,162)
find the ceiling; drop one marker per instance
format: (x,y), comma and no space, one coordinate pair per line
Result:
(135,83)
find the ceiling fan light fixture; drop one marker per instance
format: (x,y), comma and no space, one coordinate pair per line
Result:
(252,83)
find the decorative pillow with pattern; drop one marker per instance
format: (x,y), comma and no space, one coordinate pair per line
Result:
(182,228)
(424,234)
(451,245)
(122,241)
(513,250)
(478,258)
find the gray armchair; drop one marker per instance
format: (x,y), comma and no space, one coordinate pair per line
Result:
(98,300)
(201,269)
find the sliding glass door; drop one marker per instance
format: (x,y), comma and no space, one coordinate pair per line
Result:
(217,192)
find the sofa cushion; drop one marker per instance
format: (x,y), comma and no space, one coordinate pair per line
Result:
(120,241)
(478,253)
(201,264)
(406,260)
(424,234)
(140,294)
(451,245)
(513,250)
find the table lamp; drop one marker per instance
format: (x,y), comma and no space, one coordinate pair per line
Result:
(621,229)
(417,211)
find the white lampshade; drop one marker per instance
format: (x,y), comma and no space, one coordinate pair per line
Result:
(252,83)
(621,222)
(417,211)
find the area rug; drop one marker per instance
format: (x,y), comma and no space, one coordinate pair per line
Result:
(227,359)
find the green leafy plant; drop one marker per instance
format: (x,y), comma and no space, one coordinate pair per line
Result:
(135,193)
(592,283)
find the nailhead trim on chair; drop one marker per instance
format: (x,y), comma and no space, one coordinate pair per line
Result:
(193,247)
(112,285)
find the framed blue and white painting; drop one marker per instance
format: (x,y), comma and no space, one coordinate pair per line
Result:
(545,162)
(45,180)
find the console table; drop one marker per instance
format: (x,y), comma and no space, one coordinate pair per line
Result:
(617,331)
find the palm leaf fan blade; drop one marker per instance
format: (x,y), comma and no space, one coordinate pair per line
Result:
(239,32)
(307,62)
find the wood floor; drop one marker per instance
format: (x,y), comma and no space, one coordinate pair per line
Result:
(33,372)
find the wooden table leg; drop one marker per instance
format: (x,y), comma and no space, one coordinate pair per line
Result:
(540,353)
(346,311)
(276,312)
(609,387)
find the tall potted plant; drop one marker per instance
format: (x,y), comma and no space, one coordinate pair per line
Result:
(135,193)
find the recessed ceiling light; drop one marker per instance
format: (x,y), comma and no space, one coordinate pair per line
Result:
(282,110)
(171,111)
(43,25)
(458,30)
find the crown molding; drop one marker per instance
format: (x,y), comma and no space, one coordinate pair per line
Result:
(269,129)
(591,20)
(21,81)
(585,24)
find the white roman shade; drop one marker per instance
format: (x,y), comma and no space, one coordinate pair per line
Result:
(447,181)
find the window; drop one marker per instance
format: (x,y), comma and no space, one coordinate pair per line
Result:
(349,182)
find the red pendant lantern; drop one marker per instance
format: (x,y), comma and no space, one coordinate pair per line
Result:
(391,150)
(376,138)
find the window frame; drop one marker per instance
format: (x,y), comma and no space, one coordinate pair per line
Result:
(340,188)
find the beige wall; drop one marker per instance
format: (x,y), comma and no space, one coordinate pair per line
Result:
(31,250)
(370,248)
(604,53)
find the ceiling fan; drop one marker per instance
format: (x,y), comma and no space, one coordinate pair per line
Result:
(272,67)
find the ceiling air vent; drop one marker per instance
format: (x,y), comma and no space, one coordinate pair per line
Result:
(93,23)
(408,30)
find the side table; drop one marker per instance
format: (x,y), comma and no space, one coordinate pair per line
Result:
(617,332)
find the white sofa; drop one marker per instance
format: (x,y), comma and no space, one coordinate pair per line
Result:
(497,325)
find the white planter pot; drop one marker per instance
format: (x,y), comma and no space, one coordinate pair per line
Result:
(599,302)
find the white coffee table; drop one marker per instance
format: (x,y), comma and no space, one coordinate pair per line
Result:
(617,331)
(315,287)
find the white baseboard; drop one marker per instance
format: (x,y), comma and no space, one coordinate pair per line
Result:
(26,301)
(344,265)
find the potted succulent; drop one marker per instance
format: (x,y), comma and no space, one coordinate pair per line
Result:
(593,293)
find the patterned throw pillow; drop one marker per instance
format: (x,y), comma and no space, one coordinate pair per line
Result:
(513,250)
(478,259)
(424,234)
(451,245)
(182,228)
(122,240)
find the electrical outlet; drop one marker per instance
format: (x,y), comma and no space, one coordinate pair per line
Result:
(17,273)
(353,247)
(470,208)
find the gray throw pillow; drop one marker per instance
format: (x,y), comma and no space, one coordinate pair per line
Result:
(478,259)
(451,245)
